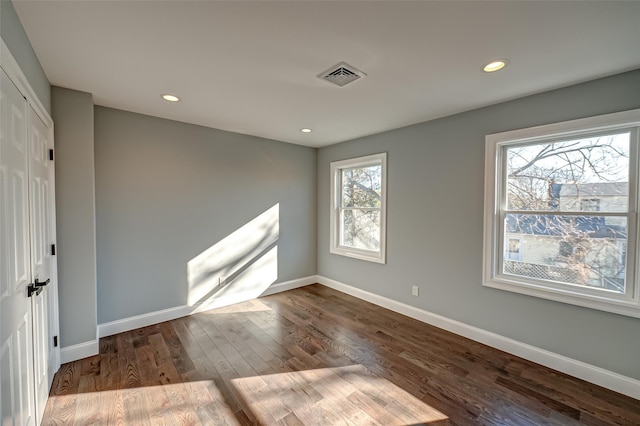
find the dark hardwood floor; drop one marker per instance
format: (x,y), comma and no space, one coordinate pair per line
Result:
(315,356)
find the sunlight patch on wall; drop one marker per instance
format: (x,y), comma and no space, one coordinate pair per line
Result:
(248,284)
(239,267)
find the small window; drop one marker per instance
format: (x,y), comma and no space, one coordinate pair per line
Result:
(569,191)
(358,207)
(513,252)
(565,249)
(590,205)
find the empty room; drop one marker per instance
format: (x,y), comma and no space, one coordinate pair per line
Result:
(319,212)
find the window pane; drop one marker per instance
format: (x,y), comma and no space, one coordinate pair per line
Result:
(580,250)
(362,187)
(360,229)
(583,175)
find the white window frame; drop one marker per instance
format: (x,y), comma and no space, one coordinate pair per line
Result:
(378,256)
(627,304)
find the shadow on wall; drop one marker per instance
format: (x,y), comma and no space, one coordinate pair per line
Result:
(238,268)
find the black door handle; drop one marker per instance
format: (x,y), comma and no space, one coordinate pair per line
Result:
(41,284)
(32,289)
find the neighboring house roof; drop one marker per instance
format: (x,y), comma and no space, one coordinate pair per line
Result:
(603,189)
(558,225)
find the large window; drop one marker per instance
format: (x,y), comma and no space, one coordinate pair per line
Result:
(561,216)
(358,207)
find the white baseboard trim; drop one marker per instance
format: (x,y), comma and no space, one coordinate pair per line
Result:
(137,321)
(290,285)
(131,323)
(599,376)
(79,351)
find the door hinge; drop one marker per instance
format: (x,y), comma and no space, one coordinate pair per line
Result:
(53,249)
(55,341)
(51,154)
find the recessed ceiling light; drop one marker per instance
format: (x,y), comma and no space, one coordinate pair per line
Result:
(170,98)
(495,66)
(305,130)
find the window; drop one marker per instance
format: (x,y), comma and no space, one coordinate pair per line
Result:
(513,246)
(590,205)
(561,216)
(358,207)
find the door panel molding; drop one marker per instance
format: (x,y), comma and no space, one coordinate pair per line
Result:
(19,79)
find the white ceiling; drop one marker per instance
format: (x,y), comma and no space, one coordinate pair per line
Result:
(251,67)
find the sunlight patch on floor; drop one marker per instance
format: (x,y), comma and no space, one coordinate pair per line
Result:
(339,395)
(198,402)
(253,305)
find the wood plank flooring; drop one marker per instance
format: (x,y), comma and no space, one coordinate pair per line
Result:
(315,356)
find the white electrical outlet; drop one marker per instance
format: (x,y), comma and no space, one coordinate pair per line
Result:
(414,290)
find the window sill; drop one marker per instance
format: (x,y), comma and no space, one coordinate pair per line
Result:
(369,256)
(629,308)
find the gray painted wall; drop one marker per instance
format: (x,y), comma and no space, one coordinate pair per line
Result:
(166,191)
(435,221)
(75,215)
(16,39)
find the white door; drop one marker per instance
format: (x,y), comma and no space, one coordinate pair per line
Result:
(41,208)
(17,405)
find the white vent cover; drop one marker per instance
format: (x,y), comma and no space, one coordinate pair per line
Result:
(341,74)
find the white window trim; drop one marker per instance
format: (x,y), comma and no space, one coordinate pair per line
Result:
(629,306)
(378,256)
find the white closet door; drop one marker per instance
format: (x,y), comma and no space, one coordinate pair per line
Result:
(16,350)
(41,196)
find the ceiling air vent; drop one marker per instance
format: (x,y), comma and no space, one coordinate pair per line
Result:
(342,74)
